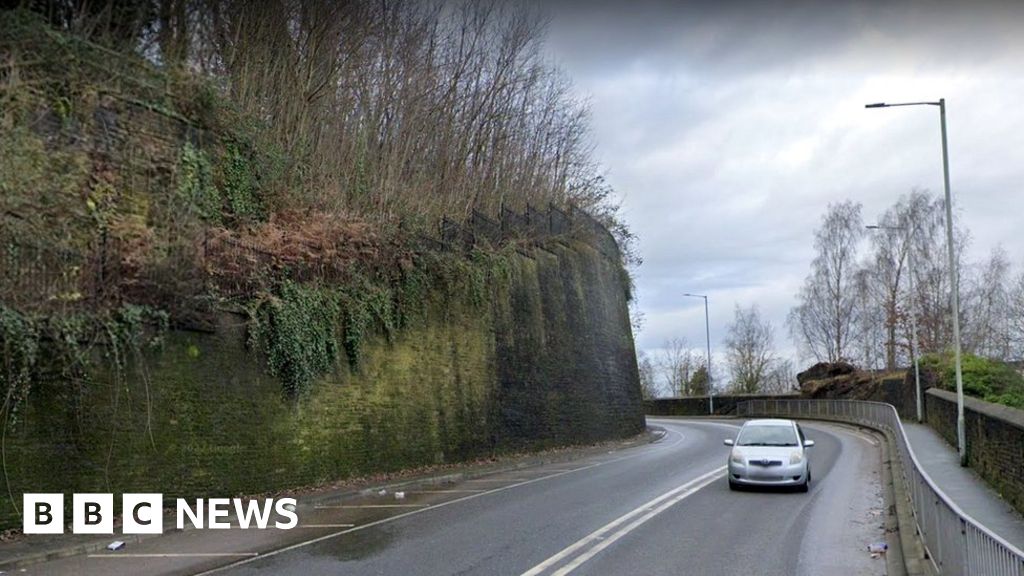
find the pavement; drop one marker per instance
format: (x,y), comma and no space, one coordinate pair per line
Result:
(963,485)
(654,508)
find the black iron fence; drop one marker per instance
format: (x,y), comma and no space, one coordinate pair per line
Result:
(39,277)
(534,225)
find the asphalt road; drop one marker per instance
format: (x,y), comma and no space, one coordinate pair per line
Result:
(661,508)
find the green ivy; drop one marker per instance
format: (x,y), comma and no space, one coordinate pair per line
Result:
(356,320)
(125,331)
(295,331)
(410,296)
(368,307)
(1011,399)
(195,184)
(471,280)
(241,187)
(61,344)
(19,343)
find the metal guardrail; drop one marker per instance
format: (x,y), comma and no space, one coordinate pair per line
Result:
(957,544)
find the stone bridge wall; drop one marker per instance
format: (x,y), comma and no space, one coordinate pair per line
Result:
(995,439)
(698,405)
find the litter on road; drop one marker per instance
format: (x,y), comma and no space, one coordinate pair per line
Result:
(877,549)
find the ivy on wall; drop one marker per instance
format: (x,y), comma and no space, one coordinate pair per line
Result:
(296,333)
(228,190)
(241,179)
(302,329)
(19,345)
(195,184)
(31,345)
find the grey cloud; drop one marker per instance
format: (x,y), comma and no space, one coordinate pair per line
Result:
(729,127)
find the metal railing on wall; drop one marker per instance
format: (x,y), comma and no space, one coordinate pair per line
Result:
(957,543)
(40,277)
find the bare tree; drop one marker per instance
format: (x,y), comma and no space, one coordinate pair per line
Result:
(1015,315)
(648,381)
(863,313)
(988,326)
(887,269)
(915,223)
(931,273)
(678,365)
(868,338)
(749,350)
(781,378)
(389,109)
(823,321)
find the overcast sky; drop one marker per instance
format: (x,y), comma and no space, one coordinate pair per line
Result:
(728,128)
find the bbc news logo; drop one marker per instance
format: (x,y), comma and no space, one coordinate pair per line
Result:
(144,513)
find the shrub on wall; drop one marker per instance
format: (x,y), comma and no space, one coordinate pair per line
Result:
(984,378)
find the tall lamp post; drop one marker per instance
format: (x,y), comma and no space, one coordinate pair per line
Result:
(960,432)
(913,311)
(707,334)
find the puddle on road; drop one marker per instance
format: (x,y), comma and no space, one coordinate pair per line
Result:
(359,545)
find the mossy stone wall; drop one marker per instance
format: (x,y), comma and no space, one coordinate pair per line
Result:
(547,361)
(995,439)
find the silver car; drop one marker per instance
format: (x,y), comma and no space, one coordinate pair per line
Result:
(770,453)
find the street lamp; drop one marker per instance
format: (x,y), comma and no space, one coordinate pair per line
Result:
(707,333)
(960,433)
(913,311)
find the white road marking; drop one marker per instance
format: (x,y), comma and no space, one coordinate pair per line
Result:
(326,525)
(441,505)
(175,555)
(444,491)
(342,507)
(604,537)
